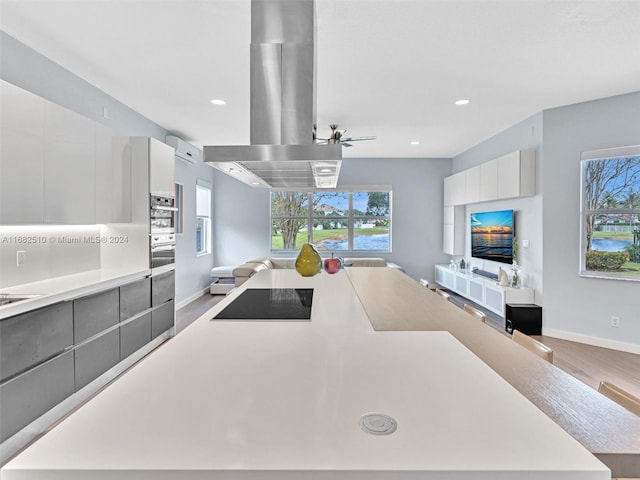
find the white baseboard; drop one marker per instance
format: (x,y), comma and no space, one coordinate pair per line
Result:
(595,341)
(190,299)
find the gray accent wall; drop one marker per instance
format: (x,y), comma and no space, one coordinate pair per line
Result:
(241,223)
(527,134)
(28,69)
(577,307)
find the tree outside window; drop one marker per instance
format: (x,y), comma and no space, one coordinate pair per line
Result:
(333,221)
(611,213)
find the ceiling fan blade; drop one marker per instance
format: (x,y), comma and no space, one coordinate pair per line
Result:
(355,139)
(346,144)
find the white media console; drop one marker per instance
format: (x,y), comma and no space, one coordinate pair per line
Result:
(482,290)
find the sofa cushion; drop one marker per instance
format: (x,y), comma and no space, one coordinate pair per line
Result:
(251,267)
(365,262)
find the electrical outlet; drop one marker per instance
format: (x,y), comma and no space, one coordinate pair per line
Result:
(615,321)
(21,258)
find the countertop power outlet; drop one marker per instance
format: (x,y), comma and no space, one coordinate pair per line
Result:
(21,258)
(615,321)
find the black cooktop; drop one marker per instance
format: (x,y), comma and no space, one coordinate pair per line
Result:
(269,304)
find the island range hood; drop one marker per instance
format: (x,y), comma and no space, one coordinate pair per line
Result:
(283,153)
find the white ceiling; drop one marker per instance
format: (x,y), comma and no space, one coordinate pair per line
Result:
(390,68)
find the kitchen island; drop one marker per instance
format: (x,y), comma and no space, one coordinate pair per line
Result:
(252,399)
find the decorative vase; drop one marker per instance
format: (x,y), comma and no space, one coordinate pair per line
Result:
(516,279)
(308,262)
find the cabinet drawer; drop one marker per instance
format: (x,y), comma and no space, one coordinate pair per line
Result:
(95,313)
(135,335)
(28,396)
(32,337)
(96,357)
(162,319)
(134,298)
(162,288)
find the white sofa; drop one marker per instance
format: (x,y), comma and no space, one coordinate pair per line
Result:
(244,272)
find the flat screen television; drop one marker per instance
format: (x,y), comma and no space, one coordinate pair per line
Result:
(492,236)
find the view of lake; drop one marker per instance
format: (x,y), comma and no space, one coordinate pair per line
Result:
(378,242)
(609,245)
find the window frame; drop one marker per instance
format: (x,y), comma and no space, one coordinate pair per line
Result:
(206,221)
(310,217)
(611,154)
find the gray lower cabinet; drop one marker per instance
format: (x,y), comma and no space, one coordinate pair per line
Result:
(163,288)
(134,298)
(162,319)
(134,335)
(33,337)
(48,354)
(96,357)
(28,396)
(95,313)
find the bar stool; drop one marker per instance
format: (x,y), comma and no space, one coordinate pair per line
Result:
(533,345)
(620,396)
(443,294)
(475,312)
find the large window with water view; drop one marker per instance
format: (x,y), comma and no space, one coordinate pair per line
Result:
(611,213)
(335,221)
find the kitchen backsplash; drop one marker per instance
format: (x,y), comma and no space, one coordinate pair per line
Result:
(58,250)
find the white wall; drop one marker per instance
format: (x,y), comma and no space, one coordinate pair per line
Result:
(576,307)
(241,213)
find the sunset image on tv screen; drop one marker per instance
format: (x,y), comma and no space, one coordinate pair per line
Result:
(492,236)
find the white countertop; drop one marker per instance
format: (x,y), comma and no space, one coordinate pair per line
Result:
(282,399)
(68,287)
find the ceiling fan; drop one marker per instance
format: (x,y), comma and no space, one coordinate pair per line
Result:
(337,137)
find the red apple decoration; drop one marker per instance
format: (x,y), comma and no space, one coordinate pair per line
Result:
(332,265)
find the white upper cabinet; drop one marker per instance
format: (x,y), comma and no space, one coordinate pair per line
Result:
(453,230)
(455,189)
(22,156)
(510,176)
(516,174)
(489,181)
(472,182)
(58,167)
(69,167)
(113,176)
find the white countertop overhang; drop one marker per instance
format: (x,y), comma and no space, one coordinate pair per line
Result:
(68,287)
(268,399)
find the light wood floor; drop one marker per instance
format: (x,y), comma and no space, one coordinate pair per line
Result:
(587,363)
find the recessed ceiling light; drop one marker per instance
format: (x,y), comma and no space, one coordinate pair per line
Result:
(255,183)
(234,170)
(415,142)
(463,101)
(217,101)
(325,170)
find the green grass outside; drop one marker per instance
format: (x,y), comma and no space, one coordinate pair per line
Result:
(614,235)
(319,235)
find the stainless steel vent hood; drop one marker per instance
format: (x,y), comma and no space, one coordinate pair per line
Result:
(283,152)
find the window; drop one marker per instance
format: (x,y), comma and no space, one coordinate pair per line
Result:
(335,221)
(611,213)
(203,218)
(178,214)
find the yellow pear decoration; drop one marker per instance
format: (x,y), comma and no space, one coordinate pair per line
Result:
(308,262)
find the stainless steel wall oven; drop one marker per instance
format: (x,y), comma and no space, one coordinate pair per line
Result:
(162,238)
